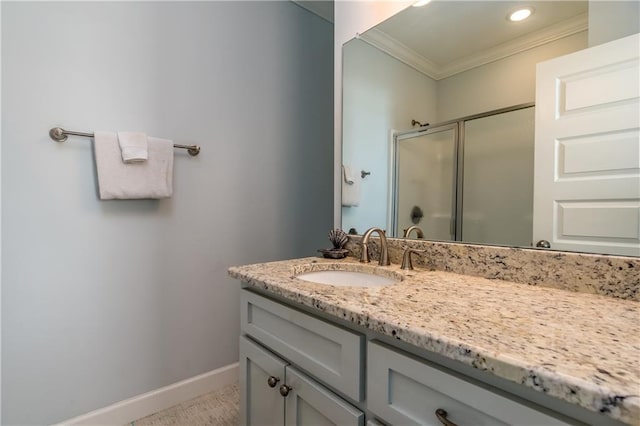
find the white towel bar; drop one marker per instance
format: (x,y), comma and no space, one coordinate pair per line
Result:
(58,134)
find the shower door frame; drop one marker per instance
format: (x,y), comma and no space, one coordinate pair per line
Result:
(408,134)
(458,167)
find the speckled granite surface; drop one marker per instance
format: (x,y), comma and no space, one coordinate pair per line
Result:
(581,348)
(615,276)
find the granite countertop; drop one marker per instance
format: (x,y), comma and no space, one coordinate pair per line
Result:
(580,348)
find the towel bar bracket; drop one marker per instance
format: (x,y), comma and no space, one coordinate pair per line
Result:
(59,134)
(193,150)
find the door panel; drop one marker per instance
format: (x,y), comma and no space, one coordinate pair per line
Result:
(497,201)
(425,179)
(587,150)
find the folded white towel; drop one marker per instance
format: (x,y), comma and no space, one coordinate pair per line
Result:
(117,180)
(347,174)
(134,146)
(350,187)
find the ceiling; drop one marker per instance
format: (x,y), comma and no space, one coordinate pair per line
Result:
(447,37)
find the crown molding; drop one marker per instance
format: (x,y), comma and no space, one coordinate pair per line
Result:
(393,47)
(538,38)
(408,56)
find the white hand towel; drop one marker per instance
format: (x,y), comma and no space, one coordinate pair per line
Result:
(118,180)
(348,176)
(350,187)
(134,146)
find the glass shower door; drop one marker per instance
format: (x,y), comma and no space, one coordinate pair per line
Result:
(424,182)
(497,199)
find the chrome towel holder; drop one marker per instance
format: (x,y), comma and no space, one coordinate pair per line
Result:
(59,134)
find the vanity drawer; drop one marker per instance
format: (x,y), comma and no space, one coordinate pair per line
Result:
(405,391)
(331,354)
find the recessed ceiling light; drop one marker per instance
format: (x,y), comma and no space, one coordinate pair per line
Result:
(421,3)
(520,14)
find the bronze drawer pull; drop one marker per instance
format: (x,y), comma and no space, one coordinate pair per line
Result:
(442,416)
(272,381)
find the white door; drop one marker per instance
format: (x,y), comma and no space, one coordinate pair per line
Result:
(587,150)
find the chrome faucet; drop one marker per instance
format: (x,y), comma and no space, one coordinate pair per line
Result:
(384,251)
(411,228)
(406,258)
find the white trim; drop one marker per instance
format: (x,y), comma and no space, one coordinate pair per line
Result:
(410,57)
(551,33)
(134,408)
(401,52)
(1,221)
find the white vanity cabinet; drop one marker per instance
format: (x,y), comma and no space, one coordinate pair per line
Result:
(331,354)
(275,393)
(274,390)
(318,366)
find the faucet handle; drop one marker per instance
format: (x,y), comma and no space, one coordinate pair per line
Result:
(407,264)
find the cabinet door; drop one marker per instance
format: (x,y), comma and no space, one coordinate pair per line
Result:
(331,354)
(260,404)
(308,403)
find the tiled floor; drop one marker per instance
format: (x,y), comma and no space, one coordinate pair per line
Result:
(219,408)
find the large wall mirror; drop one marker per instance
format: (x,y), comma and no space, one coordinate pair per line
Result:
(439,115)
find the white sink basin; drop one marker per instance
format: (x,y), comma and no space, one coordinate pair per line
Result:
(347,278)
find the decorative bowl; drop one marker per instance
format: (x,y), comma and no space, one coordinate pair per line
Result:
(334,253)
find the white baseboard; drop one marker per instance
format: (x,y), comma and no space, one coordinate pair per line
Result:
(131,409)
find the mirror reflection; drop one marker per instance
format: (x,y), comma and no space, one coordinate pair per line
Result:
(441,173)
(438,106)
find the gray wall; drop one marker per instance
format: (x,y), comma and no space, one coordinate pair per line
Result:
(103,300)
(610,20)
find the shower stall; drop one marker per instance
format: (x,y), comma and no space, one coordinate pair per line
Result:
(468,180)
